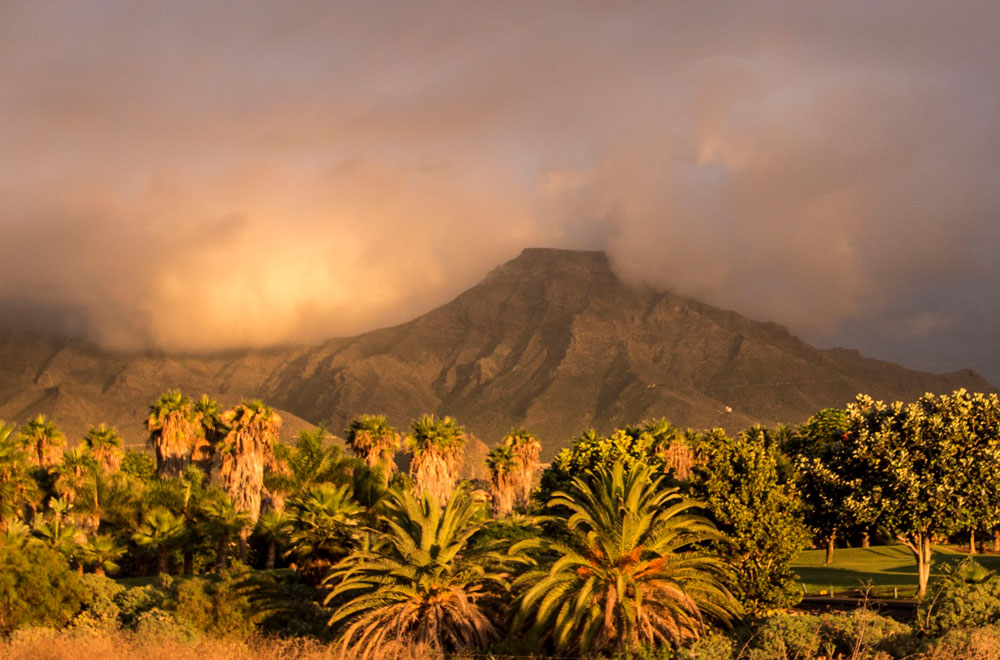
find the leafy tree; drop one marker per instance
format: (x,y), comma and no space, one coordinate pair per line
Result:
(916,459)
(740,482)
(105,443)
(43,440)
(419,587)
(374,441)
(438,448)
(827,475)
(174,431)
(655,443)
(632,572)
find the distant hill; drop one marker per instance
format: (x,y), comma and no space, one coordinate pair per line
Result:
(552,340)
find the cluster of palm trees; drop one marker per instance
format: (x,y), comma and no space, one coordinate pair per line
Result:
(407,563)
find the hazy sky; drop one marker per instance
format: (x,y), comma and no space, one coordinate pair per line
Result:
(200,175)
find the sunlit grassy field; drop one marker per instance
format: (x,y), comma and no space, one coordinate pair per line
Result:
(883,567)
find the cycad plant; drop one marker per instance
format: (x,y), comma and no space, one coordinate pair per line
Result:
(174,430)
(438,448)
(418,589)
(631,572)
(374,441)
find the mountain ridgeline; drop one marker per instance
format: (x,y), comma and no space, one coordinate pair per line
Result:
(553,341)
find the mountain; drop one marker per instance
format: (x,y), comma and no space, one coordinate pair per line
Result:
(552,340)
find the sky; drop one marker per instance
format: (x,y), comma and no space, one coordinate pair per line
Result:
(198,176)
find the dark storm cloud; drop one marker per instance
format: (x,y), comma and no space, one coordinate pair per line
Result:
(203,175)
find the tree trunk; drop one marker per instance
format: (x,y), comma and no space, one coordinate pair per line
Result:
(982,544)
(972,541)
(244,546)
(272,551)
(161,559)
(865,540)
(996,541)
(830,540)
(920,546)
(220,552)
(99,570)
(188,561)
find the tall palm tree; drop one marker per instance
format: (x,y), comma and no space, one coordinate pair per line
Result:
(631,572)
(174,430)
(418,588)
(212,431)
(525,448)
(438,448)
(503,465)
(161,531)
(253,431)
(105,444)
(374,440)
(43,440)
(76,481)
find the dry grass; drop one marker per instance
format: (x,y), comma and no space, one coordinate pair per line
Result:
(41,644)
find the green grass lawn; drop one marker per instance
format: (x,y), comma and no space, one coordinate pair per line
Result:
(884,567)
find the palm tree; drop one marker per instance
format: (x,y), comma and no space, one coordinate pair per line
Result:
(273,526)
(324,521)
(43,440)
(76,482)
(18,491)
(105,444)
(212,432)
(174,430)
(418,589)
(630,573)
(253,431)
(374,441)
(525,448)
(101,552)
(223,521)
(160,531)
(437,446)
(503,479)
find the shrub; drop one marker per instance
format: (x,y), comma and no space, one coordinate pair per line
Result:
(100,609)
(981,643)
(861,633)
(37,588)
(715,646)
(967,597)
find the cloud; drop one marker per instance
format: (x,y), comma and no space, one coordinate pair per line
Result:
(198,177)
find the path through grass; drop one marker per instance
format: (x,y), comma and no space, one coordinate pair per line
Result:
(884,567)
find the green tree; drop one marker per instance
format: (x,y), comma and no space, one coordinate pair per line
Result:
(826,475)
(37,588)
(632,572)
(174,430)
(101,552)
(438,448)
(222,521)
(419,587)
(760,514)
(374,441)
(916,459)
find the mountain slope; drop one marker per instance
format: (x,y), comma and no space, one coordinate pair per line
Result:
(551,340)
